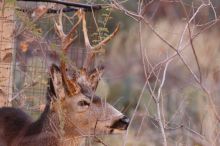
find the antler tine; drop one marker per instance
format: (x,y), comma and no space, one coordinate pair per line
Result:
(67,39)
(89,54)
(85,33)
(59,27)
(107,39)
(70,37)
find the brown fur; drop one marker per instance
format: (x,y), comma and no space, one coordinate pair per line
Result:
(66,117)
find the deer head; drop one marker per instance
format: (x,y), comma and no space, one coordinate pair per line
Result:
(84,113)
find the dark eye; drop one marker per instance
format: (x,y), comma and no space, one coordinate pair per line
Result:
(83,103)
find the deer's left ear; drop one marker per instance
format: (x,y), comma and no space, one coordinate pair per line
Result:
(94,77)
(56,87)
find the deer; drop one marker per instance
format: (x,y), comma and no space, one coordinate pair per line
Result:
(73,110)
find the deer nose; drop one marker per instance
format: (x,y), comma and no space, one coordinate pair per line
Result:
(121,124)
(125,120)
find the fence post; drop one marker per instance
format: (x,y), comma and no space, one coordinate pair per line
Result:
(7,24)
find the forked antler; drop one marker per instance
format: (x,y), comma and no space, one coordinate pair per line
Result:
(69,38)
(66,39)
(91,49)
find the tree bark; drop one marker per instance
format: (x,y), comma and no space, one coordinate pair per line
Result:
(6,50)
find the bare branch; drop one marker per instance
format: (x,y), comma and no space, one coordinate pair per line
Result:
(73,4)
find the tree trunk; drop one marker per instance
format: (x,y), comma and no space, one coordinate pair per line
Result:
(6,49)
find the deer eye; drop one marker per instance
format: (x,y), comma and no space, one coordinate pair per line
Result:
(83,103)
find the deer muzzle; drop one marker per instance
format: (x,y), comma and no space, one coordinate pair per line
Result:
(121,124)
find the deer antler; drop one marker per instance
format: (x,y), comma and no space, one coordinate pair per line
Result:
(91,49)
(66,39)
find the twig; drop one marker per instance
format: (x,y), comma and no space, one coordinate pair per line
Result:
(138,18)
(158,105)
(100,141)
(22,90)
(191,42)
(50,10)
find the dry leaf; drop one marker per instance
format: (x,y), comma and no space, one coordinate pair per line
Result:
(24,46)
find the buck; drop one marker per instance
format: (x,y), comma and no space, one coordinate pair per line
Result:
(73,110)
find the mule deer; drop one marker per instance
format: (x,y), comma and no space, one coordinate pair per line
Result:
(72,111)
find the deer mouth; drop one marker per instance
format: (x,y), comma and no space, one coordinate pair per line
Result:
(120,125)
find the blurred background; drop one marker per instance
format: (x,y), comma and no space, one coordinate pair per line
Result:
(162,67)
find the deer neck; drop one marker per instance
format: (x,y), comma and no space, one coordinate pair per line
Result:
(51,125)
(57,123)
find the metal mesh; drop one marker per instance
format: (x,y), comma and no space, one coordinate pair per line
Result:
(32,62)
(25,62)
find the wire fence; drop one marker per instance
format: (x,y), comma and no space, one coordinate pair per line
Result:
(27,52)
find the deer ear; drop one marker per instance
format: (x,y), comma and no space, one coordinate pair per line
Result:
(71,87)
(95,76)
(56,83)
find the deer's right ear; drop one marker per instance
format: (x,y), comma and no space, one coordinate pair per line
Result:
(56,84)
